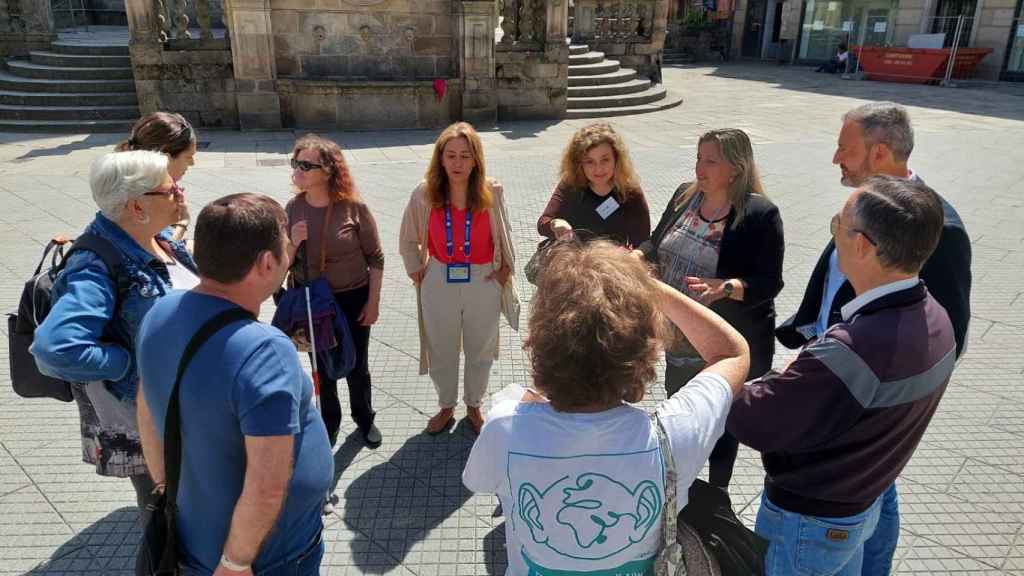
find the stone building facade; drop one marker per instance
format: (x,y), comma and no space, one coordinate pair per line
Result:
(360,64)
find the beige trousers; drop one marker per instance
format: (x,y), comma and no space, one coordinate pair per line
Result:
(460,317)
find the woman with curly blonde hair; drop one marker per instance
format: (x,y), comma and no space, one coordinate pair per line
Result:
(343,247)
(577,469)
(456,245)
(598,193)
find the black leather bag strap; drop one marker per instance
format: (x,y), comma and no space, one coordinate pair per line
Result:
(172,426)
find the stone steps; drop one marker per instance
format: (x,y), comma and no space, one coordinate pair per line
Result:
(585,58)
(603,67)
(600,87)
(676,57)
(74,87)
(68,98)
(628,87)
(621,75)
(66,126)
(70,113)
(32,70)
(10,82)
(66,47)
(45,58)
(670,101)
(651,94)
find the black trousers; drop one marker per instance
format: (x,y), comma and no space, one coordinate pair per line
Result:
(351,303)
(723,455)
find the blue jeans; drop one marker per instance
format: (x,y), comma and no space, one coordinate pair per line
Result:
(815,545)
(880,548)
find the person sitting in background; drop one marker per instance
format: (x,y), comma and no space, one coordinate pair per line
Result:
(837,64)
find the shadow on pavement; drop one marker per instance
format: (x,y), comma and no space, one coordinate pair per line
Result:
(107,546)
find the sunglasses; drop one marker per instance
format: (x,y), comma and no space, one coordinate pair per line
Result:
(305,166)
(174,191)
(835,225)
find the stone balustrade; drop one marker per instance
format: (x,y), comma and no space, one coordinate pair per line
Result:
(617,20)
(523,23)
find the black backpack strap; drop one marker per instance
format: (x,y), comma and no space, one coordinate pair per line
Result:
(105,249)
(172,424)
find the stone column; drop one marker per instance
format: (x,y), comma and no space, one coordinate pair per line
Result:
(146,47)
(584,21)
(475,37)
(25,25)
(252,55)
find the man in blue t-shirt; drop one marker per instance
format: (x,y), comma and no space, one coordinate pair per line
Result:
(256,462)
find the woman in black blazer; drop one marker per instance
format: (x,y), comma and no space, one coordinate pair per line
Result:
(720,242)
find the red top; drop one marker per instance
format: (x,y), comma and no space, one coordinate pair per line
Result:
(481,249)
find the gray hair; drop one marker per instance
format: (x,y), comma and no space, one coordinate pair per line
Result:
(886,208)
(885,123)
(118,177)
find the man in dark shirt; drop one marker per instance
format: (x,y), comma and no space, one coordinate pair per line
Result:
(877,139)
(839,424)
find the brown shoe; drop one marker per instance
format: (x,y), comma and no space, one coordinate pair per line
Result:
(476,419)
(440,421)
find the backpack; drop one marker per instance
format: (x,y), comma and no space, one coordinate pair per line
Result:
(36,302)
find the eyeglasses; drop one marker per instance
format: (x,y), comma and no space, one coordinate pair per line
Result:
(174,191)
(305,166)
(835,225)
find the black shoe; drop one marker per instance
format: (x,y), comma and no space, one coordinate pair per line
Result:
(372,437)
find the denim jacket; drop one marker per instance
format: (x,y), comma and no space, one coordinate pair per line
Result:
(81,340)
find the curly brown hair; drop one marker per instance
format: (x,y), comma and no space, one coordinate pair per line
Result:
(571,175)
(340,184)
(595,328)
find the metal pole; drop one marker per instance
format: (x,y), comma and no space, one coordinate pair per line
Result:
(953,51)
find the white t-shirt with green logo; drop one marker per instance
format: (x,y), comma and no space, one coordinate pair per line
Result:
(585,492)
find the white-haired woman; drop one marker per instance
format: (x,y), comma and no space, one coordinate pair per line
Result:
(88,337)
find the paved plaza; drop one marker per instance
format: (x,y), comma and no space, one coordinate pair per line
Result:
(402,508)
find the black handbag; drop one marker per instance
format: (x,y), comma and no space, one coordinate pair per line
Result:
(158,551)
(706,538)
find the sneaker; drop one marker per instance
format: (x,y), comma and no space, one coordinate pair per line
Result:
(372,437)
(440,421)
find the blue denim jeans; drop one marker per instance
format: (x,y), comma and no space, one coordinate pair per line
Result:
(814,545)
(880,548)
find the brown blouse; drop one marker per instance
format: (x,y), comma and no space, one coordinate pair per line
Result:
(353,245)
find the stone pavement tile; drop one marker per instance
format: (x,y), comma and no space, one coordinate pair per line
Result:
(983,377)
(388,506)
(12,477)
(985,443)
(934,466)
(993,487)
(967,527)
(1015,559)
(349,553)
(990,345)
(929,557)
(30,530)
(1009,417)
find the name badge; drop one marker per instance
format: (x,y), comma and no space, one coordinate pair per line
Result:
(607,208)
(458,273)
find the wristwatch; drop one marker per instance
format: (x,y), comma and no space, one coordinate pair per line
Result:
(728,288)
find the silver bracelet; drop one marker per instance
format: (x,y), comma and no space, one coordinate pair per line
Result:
(227,563)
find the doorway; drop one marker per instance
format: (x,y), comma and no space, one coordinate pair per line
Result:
(753,30)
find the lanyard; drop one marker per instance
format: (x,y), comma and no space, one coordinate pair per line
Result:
(448,230)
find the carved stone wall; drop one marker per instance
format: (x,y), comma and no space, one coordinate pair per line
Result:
(364,39)
(630,31)
(25,25)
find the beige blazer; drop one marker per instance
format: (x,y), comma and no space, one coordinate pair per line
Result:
(412,245)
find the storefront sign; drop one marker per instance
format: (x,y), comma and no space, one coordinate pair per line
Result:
(819,24)
(848,26)
(881,26)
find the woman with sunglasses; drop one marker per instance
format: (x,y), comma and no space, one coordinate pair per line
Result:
(88,337)
(173,135)
(456,245)
(720,242)
(341,244)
